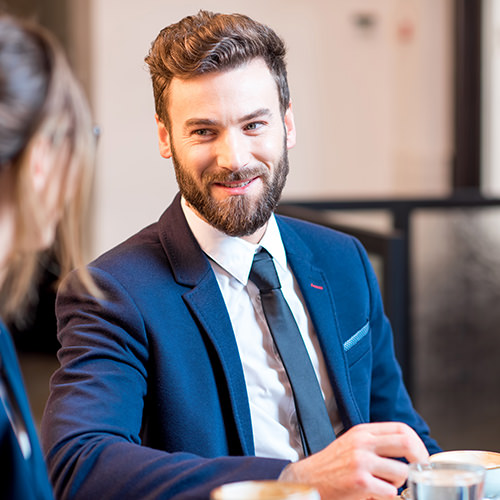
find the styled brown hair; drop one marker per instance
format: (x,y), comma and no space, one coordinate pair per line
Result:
(208,42)
(40,98)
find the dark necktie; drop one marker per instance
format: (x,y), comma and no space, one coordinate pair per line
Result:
(316,429)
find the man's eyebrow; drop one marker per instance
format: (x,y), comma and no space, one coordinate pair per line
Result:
(256,114)
(207,122)
(199,122)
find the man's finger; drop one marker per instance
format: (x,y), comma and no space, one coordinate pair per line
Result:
(390,470)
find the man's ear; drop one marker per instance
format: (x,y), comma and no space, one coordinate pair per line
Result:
(291,133)
(163,138)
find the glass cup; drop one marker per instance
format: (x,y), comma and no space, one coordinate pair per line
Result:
(264,490)
(446,481)
(490,460)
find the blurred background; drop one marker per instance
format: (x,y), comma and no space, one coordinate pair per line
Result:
(397,106)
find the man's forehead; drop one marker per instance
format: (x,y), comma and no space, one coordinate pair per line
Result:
(237,76)
(256,62)
(247,88)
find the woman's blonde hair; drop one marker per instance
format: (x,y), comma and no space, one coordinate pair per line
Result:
(40,98)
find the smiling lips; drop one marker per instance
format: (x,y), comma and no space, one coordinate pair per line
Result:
(236,185)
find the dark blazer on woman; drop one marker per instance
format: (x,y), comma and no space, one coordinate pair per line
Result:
(23,474)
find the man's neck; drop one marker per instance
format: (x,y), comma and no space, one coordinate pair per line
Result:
(257,236)
(253,238)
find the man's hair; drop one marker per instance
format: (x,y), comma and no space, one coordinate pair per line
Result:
(209,42)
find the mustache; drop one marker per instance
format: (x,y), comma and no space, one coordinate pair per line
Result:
(239,175)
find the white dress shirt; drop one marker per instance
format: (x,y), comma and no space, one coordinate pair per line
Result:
(272,409)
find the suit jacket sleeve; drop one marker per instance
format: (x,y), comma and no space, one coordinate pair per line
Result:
(93,426)
(388,397)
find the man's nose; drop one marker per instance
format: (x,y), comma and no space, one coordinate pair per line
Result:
(232,151)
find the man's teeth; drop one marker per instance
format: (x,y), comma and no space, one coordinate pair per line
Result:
(232,185)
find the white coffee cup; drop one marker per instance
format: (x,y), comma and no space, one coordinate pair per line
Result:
(264,490)
(488,459)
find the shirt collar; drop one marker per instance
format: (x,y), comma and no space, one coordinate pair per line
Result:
(234,254)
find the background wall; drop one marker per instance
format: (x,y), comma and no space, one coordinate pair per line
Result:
(371,87)
(491,97)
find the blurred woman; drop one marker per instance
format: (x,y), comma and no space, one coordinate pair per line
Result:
(46,158)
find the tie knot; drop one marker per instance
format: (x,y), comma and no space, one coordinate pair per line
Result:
(263,272)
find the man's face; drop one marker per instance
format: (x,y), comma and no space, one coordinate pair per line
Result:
(228,142)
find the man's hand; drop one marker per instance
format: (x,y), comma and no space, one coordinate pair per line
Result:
(361,463)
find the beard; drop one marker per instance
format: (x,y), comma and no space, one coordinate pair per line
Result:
(237,215)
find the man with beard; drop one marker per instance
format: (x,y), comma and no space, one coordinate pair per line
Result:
(175,382)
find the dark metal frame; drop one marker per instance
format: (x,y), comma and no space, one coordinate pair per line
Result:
(468,74)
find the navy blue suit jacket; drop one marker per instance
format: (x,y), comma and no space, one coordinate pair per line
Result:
(150,401)
(21,477)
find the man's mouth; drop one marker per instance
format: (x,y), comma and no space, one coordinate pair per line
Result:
(235,184)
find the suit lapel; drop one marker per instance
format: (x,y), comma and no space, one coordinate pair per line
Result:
(191,268)
(207,305)
(320,304)
(205,301)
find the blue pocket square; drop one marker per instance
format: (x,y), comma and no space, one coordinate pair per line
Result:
(349,343)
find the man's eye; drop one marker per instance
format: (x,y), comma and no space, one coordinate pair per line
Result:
(253,126)
(201,131)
